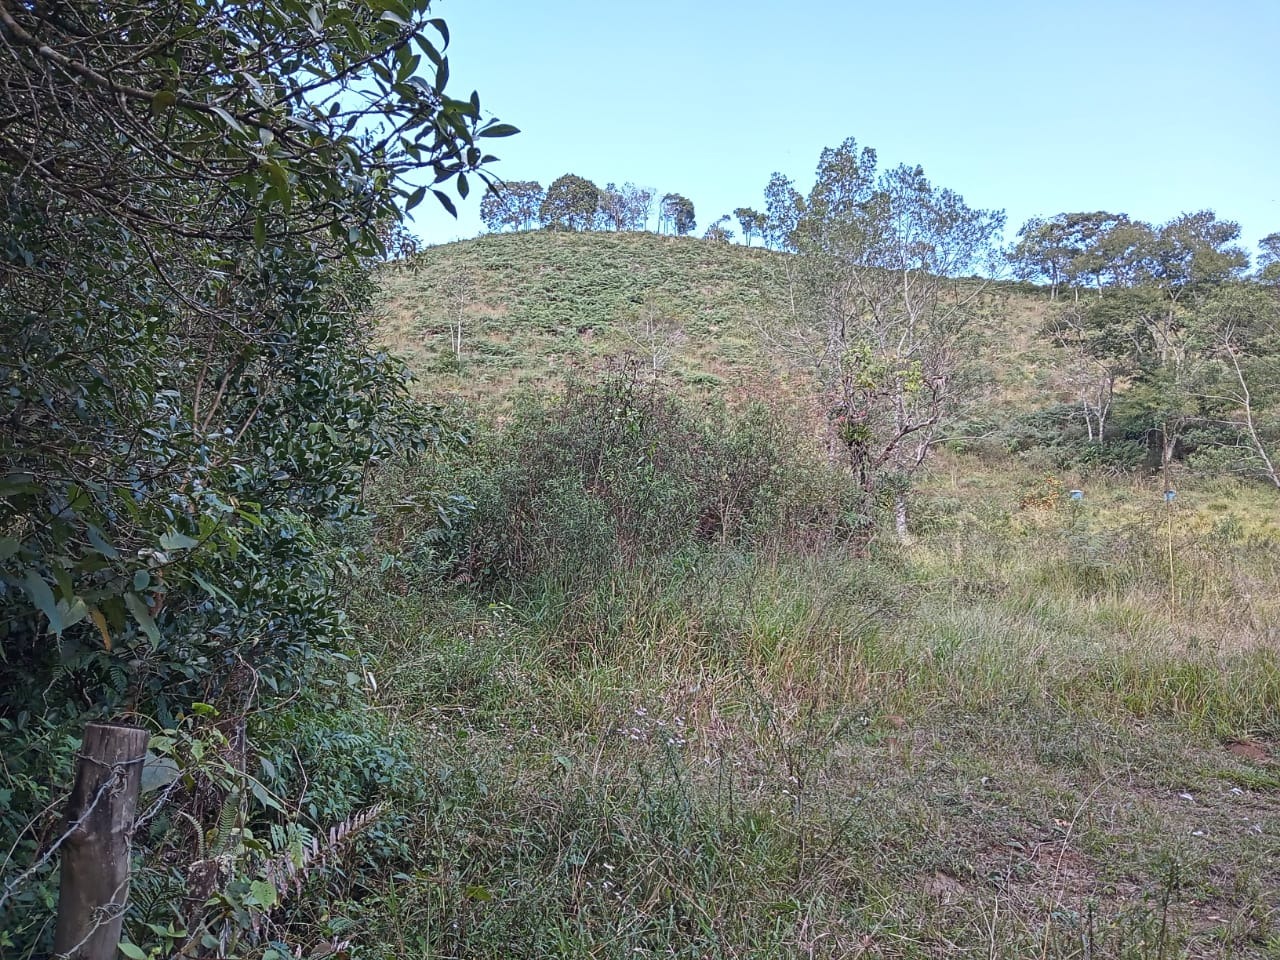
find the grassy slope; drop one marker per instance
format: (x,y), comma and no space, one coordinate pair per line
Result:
(1040,732)
(543,306)
(537,307)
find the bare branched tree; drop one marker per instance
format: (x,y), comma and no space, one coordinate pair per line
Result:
(886,311)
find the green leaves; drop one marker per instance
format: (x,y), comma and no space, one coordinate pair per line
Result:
(191,398)
(142,614)
(162,101)
(262,895)
(445,201)
(227,118)
(42,596)
(173,540)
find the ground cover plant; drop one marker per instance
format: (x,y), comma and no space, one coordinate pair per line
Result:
(1025,734)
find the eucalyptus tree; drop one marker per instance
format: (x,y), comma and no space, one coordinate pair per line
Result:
(513,205)
(751,221)
(888,311)
(783,207)
(624,208)
(677,212)
(719,231)
(1066,249)
(1238,326)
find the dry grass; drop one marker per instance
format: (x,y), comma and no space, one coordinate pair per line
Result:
(977,747)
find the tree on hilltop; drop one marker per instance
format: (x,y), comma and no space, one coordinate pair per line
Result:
(677,213)
(783,208)
(570,203)
(719,231)
(512,205)
(1067,248)
(751,222)
(624,208)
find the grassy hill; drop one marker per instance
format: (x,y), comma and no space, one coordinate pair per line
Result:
(537,307)
(1044,729)
(540,307)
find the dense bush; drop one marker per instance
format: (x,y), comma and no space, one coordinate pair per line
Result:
(189,404)
(614,472)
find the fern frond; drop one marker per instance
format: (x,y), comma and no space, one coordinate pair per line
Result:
(228,820)
(287,871)
(197,832)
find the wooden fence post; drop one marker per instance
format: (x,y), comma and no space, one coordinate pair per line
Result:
(95,857)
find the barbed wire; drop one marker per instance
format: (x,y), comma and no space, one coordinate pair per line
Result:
(117,780)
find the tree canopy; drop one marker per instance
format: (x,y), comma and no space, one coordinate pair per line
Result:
(678,214)
(883,324)
(570,204)
(194,197)
(515,205)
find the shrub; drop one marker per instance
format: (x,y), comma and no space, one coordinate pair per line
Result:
(615,472)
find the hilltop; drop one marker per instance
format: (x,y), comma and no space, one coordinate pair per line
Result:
(537,307)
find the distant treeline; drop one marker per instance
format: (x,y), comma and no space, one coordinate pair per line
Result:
(575,203)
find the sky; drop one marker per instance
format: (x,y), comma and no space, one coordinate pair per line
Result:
(1146,107)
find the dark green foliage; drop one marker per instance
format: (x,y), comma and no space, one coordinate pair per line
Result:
(615,472)
(1068,249)
(189,402)
(752,222)
(570,204)
(677,214)
(783,205)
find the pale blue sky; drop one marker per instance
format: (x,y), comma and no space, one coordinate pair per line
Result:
(1148,107)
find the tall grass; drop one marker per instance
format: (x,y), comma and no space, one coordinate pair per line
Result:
(786,735)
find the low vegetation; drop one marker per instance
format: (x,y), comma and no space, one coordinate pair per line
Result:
(1041,730)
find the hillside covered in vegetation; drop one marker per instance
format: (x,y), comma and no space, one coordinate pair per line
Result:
(539,308)
(583,592)
(728,710)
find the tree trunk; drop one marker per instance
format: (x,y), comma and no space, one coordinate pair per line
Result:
(95,858)
(1246,405)
(900,517)
(1168,447)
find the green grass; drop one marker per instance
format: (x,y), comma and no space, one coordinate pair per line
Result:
(540,307)
(1040,731)
(974,747)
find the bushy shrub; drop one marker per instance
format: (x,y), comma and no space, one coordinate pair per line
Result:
(614,472)
(1113,458)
